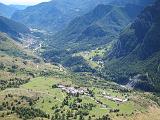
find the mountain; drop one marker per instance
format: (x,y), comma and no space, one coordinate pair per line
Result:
(19,7)
(75,79)
(6,10)
(96,27)
(12,28)
(137,52)
(56,13)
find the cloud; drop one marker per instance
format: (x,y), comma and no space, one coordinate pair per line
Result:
(23,2)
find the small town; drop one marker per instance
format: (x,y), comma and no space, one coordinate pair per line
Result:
(83,91)
(73,91)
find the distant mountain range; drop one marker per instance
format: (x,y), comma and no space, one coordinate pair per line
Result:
(56,14)
(8,10)
(96,27)
(137,51)
(18,7)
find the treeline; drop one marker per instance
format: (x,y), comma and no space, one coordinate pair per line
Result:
(30,113)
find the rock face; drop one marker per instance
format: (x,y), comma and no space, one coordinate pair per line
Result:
(138,49)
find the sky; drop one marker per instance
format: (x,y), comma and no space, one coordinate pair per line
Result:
(22,2)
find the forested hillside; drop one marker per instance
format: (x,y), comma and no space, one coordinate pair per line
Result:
(6,11)
(12,28)
(137,51)
(97,27)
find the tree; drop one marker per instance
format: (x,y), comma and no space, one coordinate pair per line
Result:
(89,118)
(1,108)
(81,117)
(54,86)
(65,102)
(2,66)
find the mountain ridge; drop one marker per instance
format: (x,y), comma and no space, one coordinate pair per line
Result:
(12,28)
(6,10)
(87,32)
(67,10)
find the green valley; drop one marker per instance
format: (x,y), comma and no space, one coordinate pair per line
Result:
(80,60)
(28,85)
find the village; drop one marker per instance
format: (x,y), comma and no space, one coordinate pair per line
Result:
(75,91)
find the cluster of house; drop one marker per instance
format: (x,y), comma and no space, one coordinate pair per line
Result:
(73,90)
(84,91)
(115,99)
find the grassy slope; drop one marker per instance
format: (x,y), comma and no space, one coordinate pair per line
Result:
(41,86)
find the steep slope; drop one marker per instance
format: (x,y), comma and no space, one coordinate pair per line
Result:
(12,28)
(13,57)
(96,27)
(56,13)
(10,47)
(137,51)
